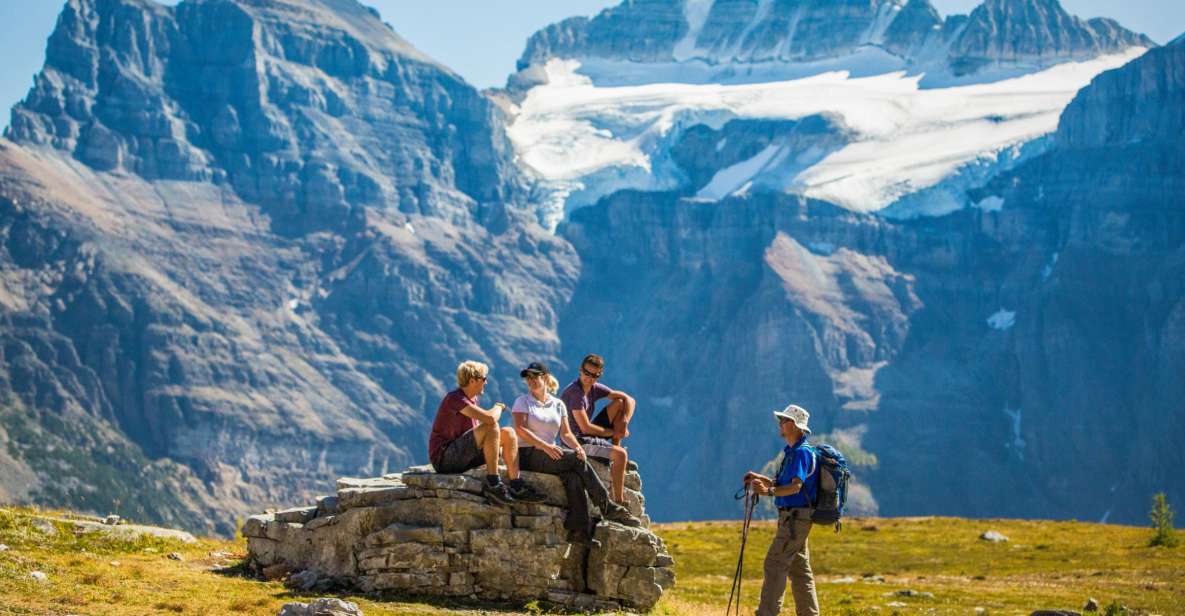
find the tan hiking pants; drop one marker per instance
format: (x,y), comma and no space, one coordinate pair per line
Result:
(789,557)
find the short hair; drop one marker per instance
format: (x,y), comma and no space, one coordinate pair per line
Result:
(469,370)
(594,360)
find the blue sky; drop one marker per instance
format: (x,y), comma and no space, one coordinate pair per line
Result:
(481,39)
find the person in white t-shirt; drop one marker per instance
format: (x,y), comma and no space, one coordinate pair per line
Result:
(539,418)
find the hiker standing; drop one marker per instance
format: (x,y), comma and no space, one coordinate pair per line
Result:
(600,436)
(794,489)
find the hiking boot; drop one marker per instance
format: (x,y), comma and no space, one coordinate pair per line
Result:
(524,493)
(497,493)
(583,537)
(622,516)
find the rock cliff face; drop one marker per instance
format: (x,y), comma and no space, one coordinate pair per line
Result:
(435,534)
(1024,352)
(1024,32)
(1034,32)
(244,244)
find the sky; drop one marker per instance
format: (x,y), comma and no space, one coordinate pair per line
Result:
(482,39)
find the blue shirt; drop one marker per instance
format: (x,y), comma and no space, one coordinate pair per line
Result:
(798,461)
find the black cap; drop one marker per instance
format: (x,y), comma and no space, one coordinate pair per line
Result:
(535,368)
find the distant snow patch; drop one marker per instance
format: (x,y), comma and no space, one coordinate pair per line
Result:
(696,13)
(720,144)
(1002,320)
(1018,442)
(733,178)
(1047,271)
(410,229)
(991,204)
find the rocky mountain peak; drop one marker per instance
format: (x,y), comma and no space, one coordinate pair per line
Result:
(281,100)
(719,32)
(1035,32)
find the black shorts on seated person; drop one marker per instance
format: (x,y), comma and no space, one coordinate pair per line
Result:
(460,454)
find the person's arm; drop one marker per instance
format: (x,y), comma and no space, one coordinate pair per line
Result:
(525,435)
(569,437)
(790,489)
(621,395)
(587,426)
(486,417)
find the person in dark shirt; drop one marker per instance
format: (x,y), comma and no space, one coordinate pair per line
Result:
(794,489)
(465,436)
(601,435)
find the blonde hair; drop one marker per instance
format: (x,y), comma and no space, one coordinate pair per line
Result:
(469,370)
(550,384)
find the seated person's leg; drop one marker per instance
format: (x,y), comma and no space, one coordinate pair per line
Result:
(616,416)
(618,459)
(461,454)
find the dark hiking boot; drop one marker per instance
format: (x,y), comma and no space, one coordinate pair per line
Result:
(497,493)
(524,493)
(583,537)
(621,515)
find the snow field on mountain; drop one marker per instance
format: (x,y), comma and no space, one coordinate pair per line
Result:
(592,139)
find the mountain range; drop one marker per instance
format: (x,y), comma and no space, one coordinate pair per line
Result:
(245,243)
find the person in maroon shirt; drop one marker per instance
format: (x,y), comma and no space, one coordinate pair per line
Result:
(465,436)
(600,436)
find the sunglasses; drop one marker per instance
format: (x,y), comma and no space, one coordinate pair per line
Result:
(593,375)
(479,378)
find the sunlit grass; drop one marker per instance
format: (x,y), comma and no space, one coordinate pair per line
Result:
(1044,565)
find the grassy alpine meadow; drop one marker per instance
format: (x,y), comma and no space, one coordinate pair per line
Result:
(862,570)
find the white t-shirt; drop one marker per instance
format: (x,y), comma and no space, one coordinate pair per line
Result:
(543,418)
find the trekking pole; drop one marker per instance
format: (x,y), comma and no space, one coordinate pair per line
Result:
(750,497)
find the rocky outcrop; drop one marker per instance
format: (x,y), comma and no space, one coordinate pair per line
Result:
(1035,33)
(240,237)
(426,533)
(1028,33)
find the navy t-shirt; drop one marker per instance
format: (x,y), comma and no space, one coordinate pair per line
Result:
(798,460)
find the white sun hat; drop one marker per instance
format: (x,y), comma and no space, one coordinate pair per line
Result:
(797,414)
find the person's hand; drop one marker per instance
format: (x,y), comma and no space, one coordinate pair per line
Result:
(554,452)
(580,455)
(497,410)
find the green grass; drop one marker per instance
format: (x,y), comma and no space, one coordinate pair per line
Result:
(1044,565)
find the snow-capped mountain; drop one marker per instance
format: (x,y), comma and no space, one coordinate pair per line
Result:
(929,109)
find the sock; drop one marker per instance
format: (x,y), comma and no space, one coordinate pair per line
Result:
(516,483)
(493,480)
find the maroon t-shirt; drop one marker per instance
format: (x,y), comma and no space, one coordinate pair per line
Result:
(449,422)
(575,399)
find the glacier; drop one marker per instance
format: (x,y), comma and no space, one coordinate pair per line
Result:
(591,127)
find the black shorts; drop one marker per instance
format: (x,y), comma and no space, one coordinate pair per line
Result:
(460,454)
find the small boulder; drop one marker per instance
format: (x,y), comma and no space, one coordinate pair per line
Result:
(111,520)
(1055,613)
(302,580)
(276,571)
(993,537)
(3,548)
(321,607)
(39,577)
(1092,605)
(909,592)
(175,556)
